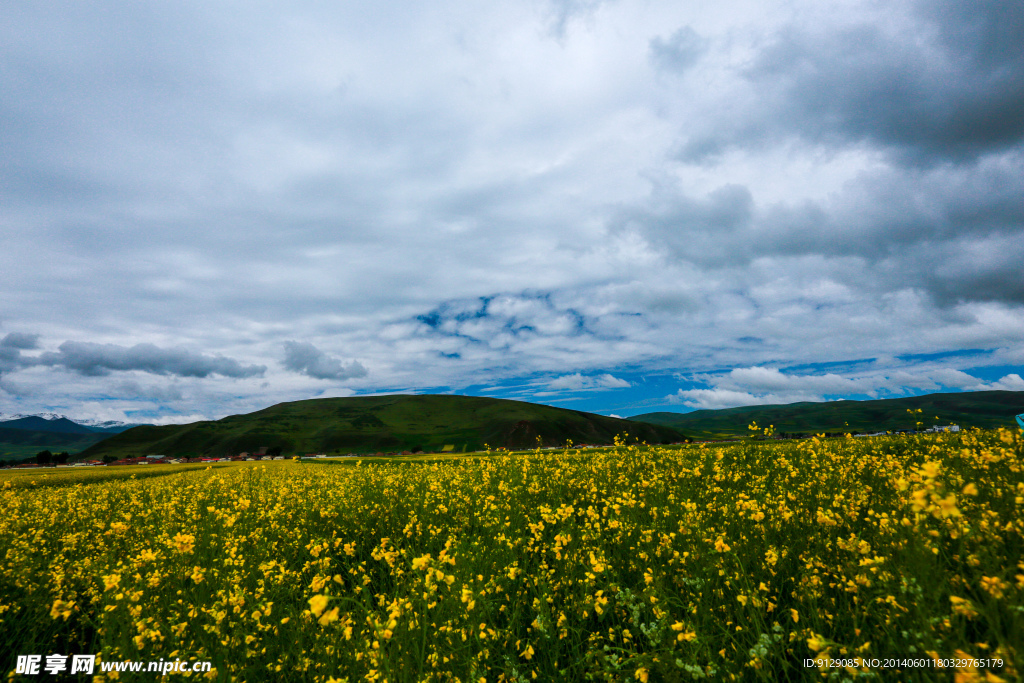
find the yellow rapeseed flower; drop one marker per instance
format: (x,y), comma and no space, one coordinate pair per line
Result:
(994,586)
(317,604)
(184,543)
(61,609)
(963,606)
(947,506)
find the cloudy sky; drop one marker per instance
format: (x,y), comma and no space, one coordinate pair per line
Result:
(618,206)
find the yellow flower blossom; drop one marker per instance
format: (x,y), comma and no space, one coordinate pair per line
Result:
(994,586)
(963,607)
(111,581)
(317,604)
(184,543)
(328,617)
(61,608)
(947,506)
(817,642)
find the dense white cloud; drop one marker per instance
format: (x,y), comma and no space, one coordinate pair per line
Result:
(713,399)
(1011,382)
(459,194)
(764,386)
(762,380)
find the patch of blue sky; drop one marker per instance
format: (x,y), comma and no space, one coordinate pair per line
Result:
(835,366)
(943,355)
(644,391)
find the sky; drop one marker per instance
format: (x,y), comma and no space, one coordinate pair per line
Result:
(620,206)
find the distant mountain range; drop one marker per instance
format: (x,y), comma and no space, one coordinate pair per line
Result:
(986,409)
(369,424)
(60,425)
(52,422)
(22,436)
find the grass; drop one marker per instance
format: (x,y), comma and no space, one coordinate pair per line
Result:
(635,563)
(379,424)
(984,409)
(66,476)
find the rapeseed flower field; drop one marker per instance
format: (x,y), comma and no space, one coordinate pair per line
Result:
(735,562)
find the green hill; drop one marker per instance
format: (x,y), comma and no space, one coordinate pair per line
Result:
(22,443)
(986,409)
(381,424)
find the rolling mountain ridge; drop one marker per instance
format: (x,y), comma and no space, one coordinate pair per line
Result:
(370,424)
(985,409)
(59,425)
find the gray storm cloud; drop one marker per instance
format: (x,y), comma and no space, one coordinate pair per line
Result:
(20,340)
(307,359)
(11,347)
(955,233)
(939,92)
(945,83)
(92,359)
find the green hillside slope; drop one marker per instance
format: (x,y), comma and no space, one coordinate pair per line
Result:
(21,443)
(381,423)
(985,409)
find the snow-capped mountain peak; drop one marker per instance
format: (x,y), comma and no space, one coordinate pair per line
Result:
(104,424)
(46,416)
(110,426)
